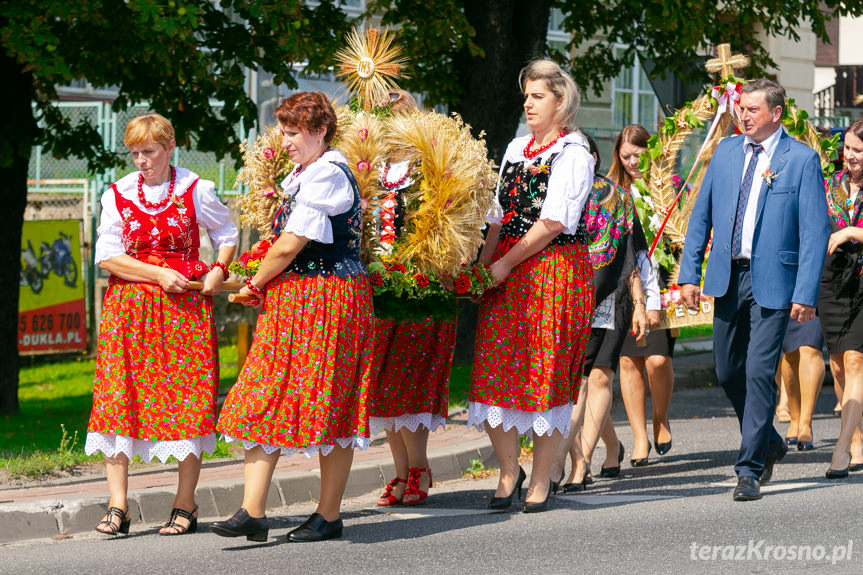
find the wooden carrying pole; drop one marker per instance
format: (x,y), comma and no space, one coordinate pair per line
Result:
(226,286)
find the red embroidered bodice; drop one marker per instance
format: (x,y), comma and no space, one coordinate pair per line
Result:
(169,238)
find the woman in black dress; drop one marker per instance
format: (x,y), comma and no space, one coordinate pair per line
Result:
(656,356)
(841,300)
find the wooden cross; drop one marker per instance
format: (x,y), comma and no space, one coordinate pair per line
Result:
(725,63)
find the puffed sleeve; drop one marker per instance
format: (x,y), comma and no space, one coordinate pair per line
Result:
(568,187)
(214,216)
(109,241)
(323,193)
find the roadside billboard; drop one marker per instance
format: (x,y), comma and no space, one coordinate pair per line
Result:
(51,308)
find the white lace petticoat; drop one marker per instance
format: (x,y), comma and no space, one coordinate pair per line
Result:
(113,445)
(411,421)
(526,422)
(344,442)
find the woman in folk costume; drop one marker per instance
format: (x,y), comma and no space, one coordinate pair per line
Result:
(840,302)
(409,389)
(655,357)
(155,394)
(533,328)
(302,386)
(616,241)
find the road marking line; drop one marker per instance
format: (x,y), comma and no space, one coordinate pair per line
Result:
(429,512)
(610,499)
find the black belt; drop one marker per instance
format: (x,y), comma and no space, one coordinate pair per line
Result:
(741,263)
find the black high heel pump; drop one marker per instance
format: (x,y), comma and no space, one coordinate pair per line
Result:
(503,503)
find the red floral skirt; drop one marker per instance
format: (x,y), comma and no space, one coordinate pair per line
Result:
(157,366)
(304,384)
(532,332)
(409,384)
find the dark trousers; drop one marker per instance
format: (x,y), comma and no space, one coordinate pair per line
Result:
(747,346)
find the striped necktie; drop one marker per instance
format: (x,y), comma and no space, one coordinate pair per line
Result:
(745,187)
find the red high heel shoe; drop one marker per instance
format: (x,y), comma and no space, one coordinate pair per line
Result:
(388,498)
(413,487)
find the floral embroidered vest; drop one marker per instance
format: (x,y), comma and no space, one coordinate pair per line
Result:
(342,257)
(522,190)
(168,238)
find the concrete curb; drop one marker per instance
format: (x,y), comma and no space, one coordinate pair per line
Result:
(220,499)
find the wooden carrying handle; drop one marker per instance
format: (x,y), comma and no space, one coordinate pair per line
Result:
(226,286)
(241,298)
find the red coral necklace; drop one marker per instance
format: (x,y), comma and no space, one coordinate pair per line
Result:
(392,185)
(531,155)
(152,205)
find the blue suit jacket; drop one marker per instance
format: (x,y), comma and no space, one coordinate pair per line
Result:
(792,227)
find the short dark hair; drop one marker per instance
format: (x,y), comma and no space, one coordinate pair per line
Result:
(309,111)
(774,95)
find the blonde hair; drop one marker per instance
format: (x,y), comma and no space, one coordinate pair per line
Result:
(561,85)
(149,128)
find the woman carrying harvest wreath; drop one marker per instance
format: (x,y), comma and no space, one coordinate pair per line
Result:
(409,386)
(533,328)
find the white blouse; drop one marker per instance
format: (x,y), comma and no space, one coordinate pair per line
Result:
(210,212)
(320,191)
(568,184)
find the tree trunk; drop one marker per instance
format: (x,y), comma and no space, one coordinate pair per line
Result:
(17,134)
(511,33)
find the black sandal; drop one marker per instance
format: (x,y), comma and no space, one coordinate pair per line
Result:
(112,528)
(176,512)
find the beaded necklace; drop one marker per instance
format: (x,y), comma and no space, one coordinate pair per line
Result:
(531,155)
(153,205)
(393,185)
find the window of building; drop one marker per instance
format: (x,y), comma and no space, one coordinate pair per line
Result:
(633,98)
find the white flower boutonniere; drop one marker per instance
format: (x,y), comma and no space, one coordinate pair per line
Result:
(768,176)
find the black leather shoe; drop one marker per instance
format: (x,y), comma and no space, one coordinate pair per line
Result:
(612,471)
(588,478)
(805,446)
(254,528)
(316,528)
(644,460)
(771,460)
(503,503)
(789,441)
(855,467)
(537,507)
(837,473)
(748,489)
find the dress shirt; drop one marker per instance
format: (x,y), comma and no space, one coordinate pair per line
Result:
(769,143)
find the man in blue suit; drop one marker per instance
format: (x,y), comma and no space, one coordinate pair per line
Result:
(763,198)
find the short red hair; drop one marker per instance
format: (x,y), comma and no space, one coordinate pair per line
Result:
(309,111)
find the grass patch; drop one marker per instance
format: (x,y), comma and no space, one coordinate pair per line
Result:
(459,385)
(693,331)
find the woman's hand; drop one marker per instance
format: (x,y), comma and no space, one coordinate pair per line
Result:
(259,297)
(500,271)
(842,236)
(640,327)
(172,281)
(213,281)
(653,318)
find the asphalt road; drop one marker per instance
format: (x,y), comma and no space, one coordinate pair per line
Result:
(673,516)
